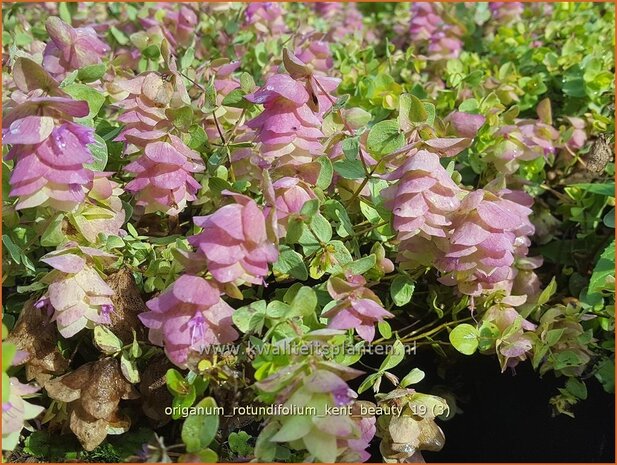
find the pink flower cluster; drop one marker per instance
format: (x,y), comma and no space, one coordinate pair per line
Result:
(77,294)
(316,54)
(16,411)
(50,152)
(188,317)
(291,194)
(483,241)
(343,19)
(177,25)
(326,438)
(506,12)
(288,130)
(235,242)
(71,48)
(356,306)
(525,141)
(515,347)
(476,242)
(422,201)
(265,17)
(444,40)
(165,166)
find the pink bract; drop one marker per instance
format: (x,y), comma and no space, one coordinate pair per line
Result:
(189,316)
(235,242)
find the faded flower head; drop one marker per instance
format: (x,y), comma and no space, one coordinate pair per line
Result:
(189,316)
(265,17)
(515,347)
(235,242)
(177,24)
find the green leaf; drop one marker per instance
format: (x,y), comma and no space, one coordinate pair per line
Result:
(342,257)
(411,110)
(607,189)
(368,382)
(247,83)
(349,169)
(290,263)
(106,341)
(14,250)
(295,230)
(199,430)
(547,292)
(152,52)
(325,173)
(235,99)
(92,73)
(118,35)
(304,302)
(361,265)
(187,59)
(176,383)
(577,388)
(53,234)
(335,211)
(321,227)
(198,136)
(413,377)
(401,290)
(128,366)
(393,358)
(99,152)
(605,374)
(181,118)
(351,147)
(603,276)
(384,138)
(92,96)
(310,208)
(384,329)
(464,338)
(566,359)
(553,336)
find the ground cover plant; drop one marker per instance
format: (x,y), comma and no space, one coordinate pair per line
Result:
(228,228)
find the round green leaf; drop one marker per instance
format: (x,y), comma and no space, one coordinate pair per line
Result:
(384,138)
(464,338)
(199,430)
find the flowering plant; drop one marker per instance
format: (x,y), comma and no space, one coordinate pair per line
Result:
(209,206)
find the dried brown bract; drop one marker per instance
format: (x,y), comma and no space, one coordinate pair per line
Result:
(127,305)
(93,393)
(414,430)
(153,388)
(38,337)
